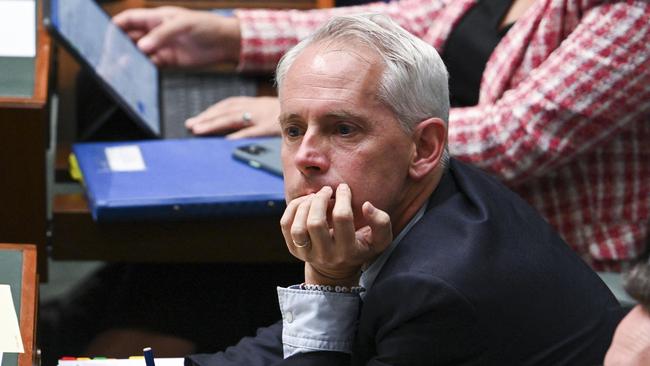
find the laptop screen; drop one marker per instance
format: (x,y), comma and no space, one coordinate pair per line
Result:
(112,55)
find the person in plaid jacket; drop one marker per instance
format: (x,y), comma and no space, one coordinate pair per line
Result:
(563,110)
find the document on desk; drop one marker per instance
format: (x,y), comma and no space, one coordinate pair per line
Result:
(10,340)
(121,362)
(17,28)
(175,180)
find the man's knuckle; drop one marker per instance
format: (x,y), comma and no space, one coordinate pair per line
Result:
(297,230)
(341,215)
(383,219)
(315,224)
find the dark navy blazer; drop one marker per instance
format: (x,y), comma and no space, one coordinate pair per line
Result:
(481,279)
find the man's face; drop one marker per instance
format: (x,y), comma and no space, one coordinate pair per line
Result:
(336,131)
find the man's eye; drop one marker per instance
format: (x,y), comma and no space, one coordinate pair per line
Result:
(292,131)
(344,129)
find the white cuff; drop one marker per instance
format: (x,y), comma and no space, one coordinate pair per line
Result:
(317,320)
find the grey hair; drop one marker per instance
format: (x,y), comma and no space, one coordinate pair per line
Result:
(414,84)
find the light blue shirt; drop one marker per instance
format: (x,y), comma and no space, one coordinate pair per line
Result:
(327,321)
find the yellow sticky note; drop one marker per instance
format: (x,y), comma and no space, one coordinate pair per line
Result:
(10,340)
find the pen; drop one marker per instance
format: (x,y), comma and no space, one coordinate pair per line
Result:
(148,356)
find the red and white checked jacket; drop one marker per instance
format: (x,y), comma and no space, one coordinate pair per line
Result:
(564,110)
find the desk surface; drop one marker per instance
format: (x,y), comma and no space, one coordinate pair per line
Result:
(77,237)
(17,77)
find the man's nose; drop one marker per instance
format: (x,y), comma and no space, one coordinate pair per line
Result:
(311,157)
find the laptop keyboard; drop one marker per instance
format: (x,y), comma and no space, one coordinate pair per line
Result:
(187,94)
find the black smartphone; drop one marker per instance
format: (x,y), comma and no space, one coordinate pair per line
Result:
(261,154)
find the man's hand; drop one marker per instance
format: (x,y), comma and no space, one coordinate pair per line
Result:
(227,116)
(631,342)
(173,36)
(334,255)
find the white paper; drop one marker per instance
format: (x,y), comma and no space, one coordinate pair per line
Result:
(123,362)
(10,340)
(17,28)
(125,158)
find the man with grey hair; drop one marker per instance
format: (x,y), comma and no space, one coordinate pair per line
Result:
(409,260)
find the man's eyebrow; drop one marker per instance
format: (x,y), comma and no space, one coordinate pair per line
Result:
(284,118)
(342,115)
(345,116)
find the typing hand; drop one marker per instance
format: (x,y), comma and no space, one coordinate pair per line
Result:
(248,116)
(334,255)
(173,36)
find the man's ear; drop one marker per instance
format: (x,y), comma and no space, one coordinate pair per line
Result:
(430,139)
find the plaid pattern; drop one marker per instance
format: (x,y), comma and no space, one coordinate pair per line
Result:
(563,115)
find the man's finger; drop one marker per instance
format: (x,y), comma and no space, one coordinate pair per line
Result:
(287,217)
(299,234)
(317,219)
(381,233)
(342,216)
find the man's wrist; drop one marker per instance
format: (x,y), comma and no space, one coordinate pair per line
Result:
(315,277)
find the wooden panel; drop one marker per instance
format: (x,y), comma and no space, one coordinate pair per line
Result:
(28,298)
(23,140)
(234,240)
(22,182)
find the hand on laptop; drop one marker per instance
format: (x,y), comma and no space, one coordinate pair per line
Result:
(173,36)
(249,116)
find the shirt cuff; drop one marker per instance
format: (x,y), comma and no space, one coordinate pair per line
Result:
(317,320)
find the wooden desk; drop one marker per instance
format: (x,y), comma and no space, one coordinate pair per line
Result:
(75,236)
(23,141)
(18,269)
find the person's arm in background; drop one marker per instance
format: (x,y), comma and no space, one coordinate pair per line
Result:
(256,39)
(267,34)
(591,87)
(173,36)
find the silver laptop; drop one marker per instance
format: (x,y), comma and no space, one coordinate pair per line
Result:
(158,102)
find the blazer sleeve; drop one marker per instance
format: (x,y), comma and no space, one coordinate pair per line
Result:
(410,320)
(593,86)
(418,319)
(262,350)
